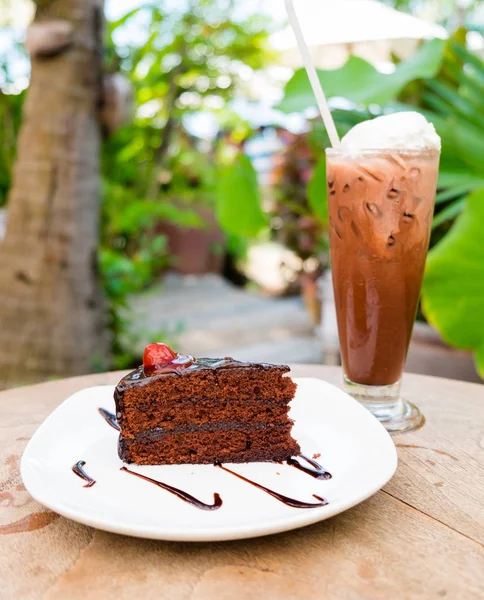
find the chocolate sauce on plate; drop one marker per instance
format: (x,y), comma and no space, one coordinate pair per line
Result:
(284,499)
(79,471)
(217,500)
(316,470)
(110,418)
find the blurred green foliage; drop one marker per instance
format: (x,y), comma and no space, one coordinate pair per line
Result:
(299,219)
(238,206)
(317,191)
(453,290)
(182,62)
(10,118)
(11,102)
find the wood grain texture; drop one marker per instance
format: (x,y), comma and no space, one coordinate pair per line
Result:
(420,538)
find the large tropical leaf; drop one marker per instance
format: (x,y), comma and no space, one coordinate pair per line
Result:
(457,108)
(462,144)
(459,105)
(453,290)
(318,192)
(451,211)
(460,178)
(361,83)
(238,202)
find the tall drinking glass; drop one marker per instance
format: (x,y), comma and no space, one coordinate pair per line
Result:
(381,204)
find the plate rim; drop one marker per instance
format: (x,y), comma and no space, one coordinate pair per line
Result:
(204,534)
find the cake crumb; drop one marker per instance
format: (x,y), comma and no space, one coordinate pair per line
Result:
(277,473)
(315,456)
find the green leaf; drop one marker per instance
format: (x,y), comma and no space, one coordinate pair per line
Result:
(472,87)
(458,178)
(461,143)
(350,81)
(318,192)
(113,25)
(437,104)
(238,202)
(361,83)
(449,212)
(453,290)
(460,106)
(452,192)
(469,57)
(423,64)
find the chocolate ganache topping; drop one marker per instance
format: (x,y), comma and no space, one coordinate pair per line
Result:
(186,364)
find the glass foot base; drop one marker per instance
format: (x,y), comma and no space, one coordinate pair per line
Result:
(409,418)
(384,403)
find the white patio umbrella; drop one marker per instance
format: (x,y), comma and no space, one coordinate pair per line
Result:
(16,13)
(334,29)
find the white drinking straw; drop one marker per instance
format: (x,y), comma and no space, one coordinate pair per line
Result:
(313,77)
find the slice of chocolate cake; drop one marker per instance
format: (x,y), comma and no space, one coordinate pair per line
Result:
(177,409)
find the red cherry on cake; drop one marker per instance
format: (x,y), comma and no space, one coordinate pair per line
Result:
(157,354)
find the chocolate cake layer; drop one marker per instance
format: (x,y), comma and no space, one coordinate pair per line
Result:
(172,415)
(229,445)
(205,410)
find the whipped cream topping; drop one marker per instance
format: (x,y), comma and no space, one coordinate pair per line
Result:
(401,130)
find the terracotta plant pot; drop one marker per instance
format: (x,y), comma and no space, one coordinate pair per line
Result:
(311,297)
(196,251)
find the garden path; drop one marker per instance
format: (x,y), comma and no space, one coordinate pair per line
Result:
(214,318)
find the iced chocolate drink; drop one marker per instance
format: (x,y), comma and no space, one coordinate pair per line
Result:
(380,211)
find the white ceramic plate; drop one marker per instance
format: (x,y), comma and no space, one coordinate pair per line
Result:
(354,448)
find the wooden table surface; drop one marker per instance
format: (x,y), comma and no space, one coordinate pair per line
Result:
(421,537)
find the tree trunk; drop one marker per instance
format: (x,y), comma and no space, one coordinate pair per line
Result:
(52,312)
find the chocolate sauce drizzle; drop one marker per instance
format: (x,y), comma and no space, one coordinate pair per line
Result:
(79,471)
(316,470)
(284,499)
(110,418)
(217,500)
